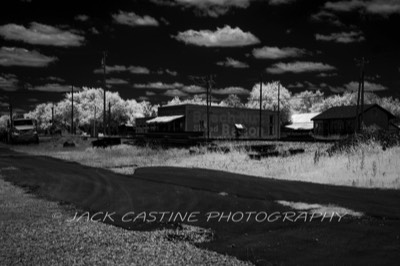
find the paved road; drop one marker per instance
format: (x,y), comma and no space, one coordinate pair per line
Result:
(373,239)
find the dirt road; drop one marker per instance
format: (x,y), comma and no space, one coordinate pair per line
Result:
(372,239)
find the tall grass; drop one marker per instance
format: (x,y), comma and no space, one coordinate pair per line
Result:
(365,165)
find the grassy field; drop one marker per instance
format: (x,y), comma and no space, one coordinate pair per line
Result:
(365,166)
(34,231)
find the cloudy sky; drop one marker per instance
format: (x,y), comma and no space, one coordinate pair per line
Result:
(157,49)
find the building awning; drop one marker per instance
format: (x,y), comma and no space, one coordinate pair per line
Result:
(164,119)
(301,126)
(239,126)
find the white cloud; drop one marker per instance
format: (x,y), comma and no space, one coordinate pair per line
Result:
(326,75)
(143,98)
(368,86)
(150,93)
(378,7)
(222,37)
(311,86)
(384,7)
(175,92)
(56,79)
(41,34)
(280,2)
(230,62)
(193,89)
(8,82)
(212,8)
(299,67)
(168,72)
(12,56)
(344,5)
(171,72)
(215,8)
(159,85)
(297,85)
(328,17)
(277,53)
(94,31)
(133,20)
(51,87)
(115,81)
(82,17)
(120,68)
(341,37)
(230,90)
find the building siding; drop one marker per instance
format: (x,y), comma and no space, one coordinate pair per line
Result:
(374,116)
(223,120)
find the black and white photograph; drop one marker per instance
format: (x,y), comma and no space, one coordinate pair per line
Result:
(200,132)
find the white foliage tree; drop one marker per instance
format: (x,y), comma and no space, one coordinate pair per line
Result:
(85,103)
(270,99)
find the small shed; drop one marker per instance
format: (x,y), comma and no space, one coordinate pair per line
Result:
(126,129)
(342,120)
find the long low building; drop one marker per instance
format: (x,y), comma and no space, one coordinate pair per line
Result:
(225,122)
(342,120)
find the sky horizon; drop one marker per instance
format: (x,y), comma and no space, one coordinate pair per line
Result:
(157,48)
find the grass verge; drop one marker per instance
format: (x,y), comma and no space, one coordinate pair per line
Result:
(366,165)
(34,231)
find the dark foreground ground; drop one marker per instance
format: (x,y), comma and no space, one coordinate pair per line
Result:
(371,240)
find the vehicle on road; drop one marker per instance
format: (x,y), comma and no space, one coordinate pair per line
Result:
(22,130)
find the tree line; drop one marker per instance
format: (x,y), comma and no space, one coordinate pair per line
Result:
(126,111)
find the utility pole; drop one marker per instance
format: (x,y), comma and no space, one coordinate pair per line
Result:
(103,62)
(208,102)
(94,122)
(360,96)
(72,110)
(358,106)
(278,132)
(109,118)
(260,122)
(10,108)
(207,82)
(52,114)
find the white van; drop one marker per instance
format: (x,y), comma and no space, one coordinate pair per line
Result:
(22,130)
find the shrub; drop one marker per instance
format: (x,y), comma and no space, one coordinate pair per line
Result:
(368,135)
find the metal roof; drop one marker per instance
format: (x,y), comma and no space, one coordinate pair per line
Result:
(346,112)
(301,126)
(164,119)
(302,121)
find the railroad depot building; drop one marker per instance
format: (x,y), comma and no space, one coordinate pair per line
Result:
(225,122)
(342,120)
